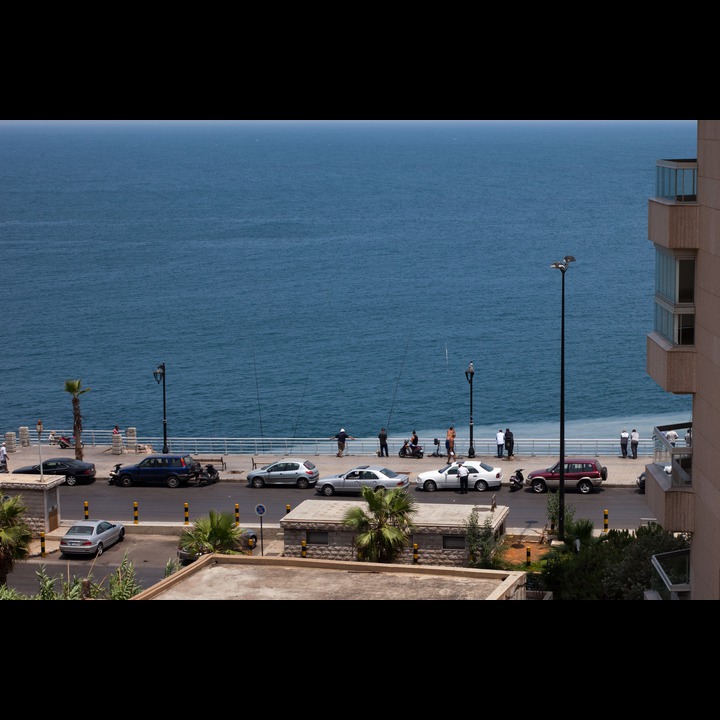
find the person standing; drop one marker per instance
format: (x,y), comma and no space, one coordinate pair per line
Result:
(634,440)
(342,437)
(509,444)
(624,437)
(3,458)
(450,443)
(463,473)
(382,437)
(672,436)
(116,430)
(500,440)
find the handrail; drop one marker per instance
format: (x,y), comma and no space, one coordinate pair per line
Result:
(368,446)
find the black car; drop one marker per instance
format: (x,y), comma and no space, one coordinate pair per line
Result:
(166,469)
(75,471)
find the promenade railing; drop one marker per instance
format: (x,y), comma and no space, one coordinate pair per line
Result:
(485,448)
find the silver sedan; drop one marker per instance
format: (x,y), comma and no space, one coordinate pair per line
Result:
(91,537)
(353,481)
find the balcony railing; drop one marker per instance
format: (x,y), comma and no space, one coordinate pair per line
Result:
(675,452)
(676,180)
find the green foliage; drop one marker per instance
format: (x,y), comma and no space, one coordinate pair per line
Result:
(553,510)
(216,533)
(15,535)
(122,584)
(172,566)
(384,529)
(615,566)
(482,543)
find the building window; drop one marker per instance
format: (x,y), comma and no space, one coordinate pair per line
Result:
(453,542)
(676,180)
(675,296)
(315,537)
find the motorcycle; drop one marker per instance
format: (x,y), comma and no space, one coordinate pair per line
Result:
(416,452)
(66,442)
(517,480)
(208,475)
(114,474)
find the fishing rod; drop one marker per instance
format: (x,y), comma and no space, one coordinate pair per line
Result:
(257,390)
(302,397)
(402,363)
(447,368)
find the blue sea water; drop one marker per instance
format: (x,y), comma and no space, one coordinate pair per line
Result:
(300,276)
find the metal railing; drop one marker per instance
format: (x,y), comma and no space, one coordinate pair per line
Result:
(308,447)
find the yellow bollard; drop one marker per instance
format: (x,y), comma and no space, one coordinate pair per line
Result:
(415,553)
(606,521)
(135,513)
(187,515)
(251,545)
(287,508)
(237,513)
(527,556)
(303,546)
(42,544)
(87,511)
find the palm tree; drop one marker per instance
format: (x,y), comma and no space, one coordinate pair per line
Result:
(216,533)
(73,387)
(384,530)
(15,535)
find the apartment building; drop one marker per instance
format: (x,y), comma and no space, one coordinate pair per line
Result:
(683,356)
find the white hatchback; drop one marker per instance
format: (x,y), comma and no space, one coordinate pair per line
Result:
(482,477)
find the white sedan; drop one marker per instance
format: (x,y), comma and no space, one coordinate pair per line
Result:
(482,477)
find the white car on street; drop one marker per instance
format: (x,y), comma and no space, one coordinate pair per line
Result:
(482,477)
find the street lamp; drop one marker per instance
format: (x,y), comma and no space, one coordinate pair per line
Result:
(562,266)
(159,375)
(469,375)
(39,428)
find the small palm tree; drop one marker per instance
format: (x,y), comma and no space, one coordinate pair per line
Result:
(73,387)
(15,535)
(216,533)
(384,530)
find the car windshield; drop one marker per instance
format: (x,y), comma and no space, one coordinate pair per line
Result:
(80,530)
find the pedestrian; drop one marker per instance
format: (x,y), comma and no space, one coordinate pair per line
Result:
(624,437)
(500,440)
(382,437)
(634,440)
(672,436)
(463,473)
(52,440)
(450,443)
(688,438)
(414,441)
(509,444)
(116,430)
(3,458)
(341,438)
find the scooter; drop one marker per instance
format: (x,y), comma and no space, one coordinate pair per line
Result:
(114,474)
(517,480)
(66,442)
(207,476)
(416,452)
(437,452)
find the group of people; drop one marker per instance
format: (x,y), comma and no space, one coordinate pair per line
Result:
(633,438)
(505,442)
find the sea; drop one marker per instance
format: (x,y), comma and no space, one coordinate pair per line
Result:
(299,276)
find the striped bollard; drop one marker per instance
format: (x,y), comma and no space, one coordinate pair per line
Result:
(605,521)
(187,514)
(237,513)
(42,544)
(527,556)
(303,548)
(287,508)
(415,553)
(135,513)
(87,510)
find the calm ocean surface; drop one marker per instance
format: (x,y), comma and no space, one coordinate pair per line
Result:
(296,277)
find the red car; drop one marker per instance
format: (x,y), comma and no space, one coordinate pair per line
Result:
(582,474)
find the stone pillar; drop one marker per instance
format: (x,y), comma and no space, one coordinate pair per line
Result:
(24,436)
(131,439)
(10,442)
(117,444)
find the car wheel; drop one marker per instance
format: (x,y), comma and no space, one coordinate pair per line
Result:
(328,490)
(126,481)
(379,488)
(303,483)
(173,481)
(429,486)
(585,487)
(603,473)
(539,486)
(258,482)
(481,486)
(121,537)
(99,550)
(71,480)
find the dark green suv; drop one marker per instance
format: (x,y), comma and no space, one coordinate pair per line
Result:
(166,469)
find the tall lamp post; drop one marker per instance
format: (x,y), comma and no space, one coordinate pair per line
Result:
(159,375)
(39,428)
(469,375)
(562,266)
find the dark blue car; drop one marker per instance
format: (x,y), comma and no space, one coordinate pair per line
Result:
(166,469)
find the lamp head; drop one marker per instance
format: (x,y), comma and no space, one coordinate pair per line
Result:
(563,264)
(159,374)
(470,372)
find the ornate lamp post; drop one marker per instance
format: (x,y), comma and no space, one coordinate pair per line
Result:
(39,428)
(562,266)
(159,375)
(469,375)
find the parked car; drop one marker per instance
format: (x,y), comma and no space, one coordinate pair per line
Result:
(374,476)
(91,537)
(246,536)
(583,474)
(75,471)
(482,477)
(288,471)
(167,469)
